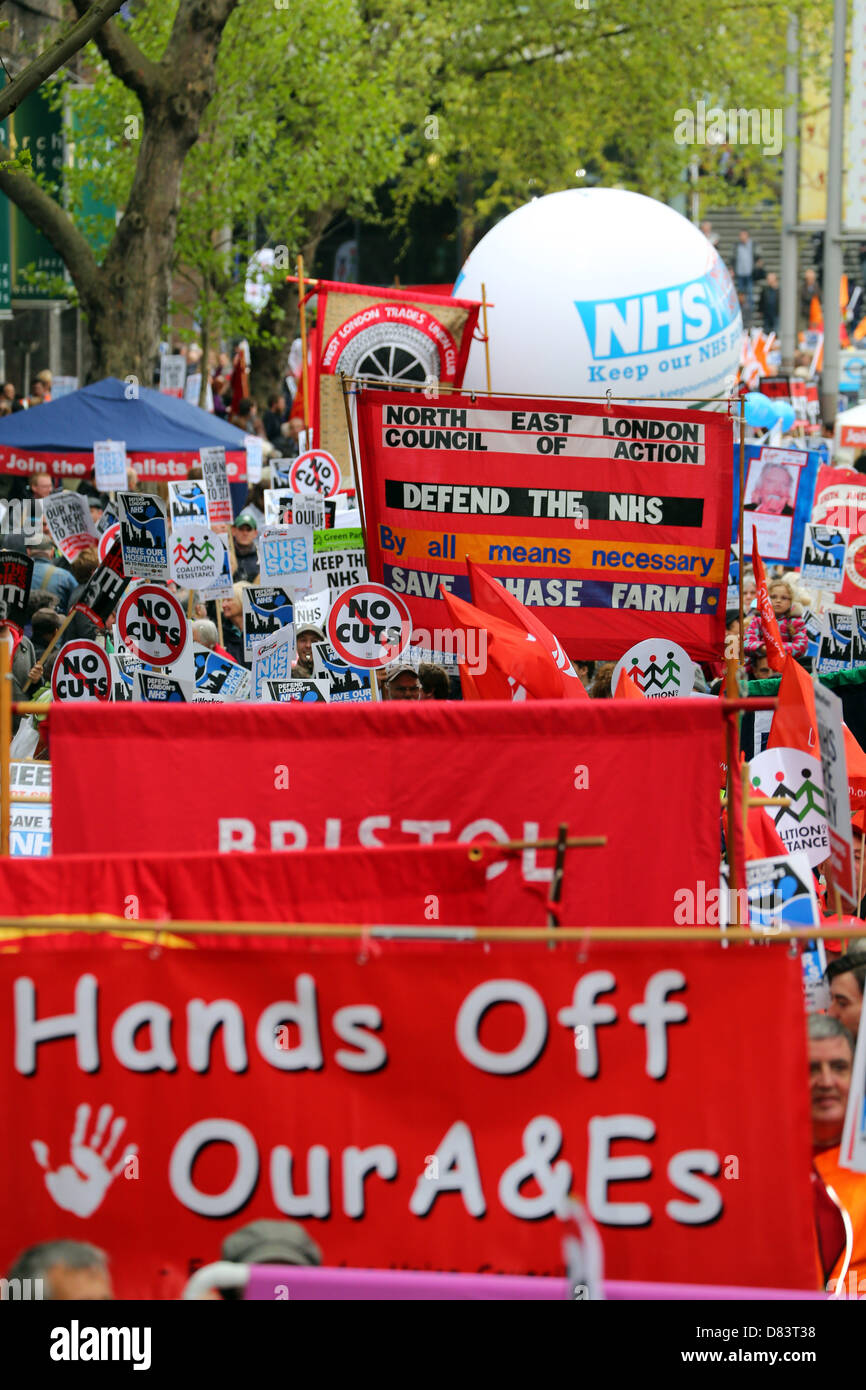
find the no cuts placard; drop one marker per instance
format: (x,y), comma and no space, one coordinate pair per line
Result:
(369,626)
(82,671)
(153,626)
(315,471)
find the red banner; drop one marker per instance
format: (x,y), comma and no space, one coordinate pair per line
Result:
(141,779)
(419,886)
(614,521)
(150,467)
(424,1109)
(840,500)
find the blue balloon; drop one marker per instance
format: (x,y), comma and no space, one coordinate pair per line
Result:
(786,415)
(759,411)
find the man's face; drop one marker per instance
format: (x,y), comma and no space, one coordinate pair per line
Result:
(244,535)
(829,1080)
(846,1001)
(774,491)
(406,686)
(9,390)
(40,485)
(304,647)
(95,512)
(80,1285)
(761,669)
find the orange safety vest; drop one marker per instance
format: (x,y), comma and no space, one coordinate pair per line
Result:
(850,1189)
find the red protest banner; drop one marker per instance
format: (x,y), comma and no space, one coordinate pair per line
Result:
(613,521)
(643,774)
(425,1109)
(406,886)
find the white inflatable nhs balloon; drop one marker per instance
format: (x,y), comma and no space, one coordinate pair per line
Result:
(600,289)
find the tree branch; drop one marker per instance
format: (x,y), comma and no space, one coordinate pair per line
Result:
(50,219)
(124,57)
(92,19)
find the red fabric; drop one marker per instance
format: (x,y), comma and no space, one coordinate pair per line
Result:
(143,779)
(388,1060)
(795,722)
(775,647)
(239,381)
(627,689)
(151,467)
(648,552)
(763,840)
(492,597)
(416,886)
(517,665)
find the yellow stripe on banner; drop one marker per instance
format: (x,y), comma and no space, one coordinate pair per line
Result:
(542,552)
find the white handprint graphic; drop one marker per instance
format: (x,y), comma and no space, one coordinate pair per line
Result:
(80,1185)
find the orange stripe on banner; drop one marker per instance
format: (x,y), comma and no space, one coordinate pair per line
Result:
(558,554)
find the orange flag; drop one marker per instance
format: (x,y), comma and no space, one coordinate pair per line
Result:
(776,654)
(626,689)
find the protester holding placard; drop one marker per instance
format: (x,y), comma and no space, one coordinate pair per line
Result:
(244,535)
(233,626)
(305,636)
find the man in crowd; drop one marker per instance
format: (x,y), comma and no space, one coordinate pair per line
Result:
(401,683)
(205,633)
(845,978)
(831,1058)
(744,266)
(48,575)
(305,636)
(70,1271)
(273,419)
(769,303)
(244,535)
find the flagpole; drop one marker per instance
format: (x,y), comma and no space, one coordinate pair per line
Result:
(5,737)
(51,645)
(486,338)
(302,312)
(375,692)
(356,469)
(742,653)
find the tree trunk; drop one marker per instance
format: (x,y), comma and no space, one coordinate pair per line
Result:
(125,300)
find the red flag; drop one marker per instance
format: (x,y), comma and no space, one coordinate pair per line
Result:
(493,598)
(776,653)
(763,840)
(627,689)
(795,722)
(855,761)
(517,667)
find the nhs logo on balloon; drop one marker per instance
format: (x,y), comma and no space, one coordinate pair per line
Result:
(682,340)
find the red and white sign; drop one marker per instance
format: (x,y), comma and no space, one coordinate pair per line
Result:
(151,467)
(315,472)
(81,671)
(152,625)
(611,521)
(430,1108)
(369,626)
(107,539)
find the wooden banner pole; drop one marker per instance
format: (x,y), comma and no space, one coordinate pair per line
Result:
(302,313)
(486,336)
(681,935)
(5,737)
(50,648)
(741,655)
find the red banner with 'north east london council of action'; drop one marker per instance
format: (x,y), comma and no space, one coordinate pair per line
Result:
(614,521)
(415,1107)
